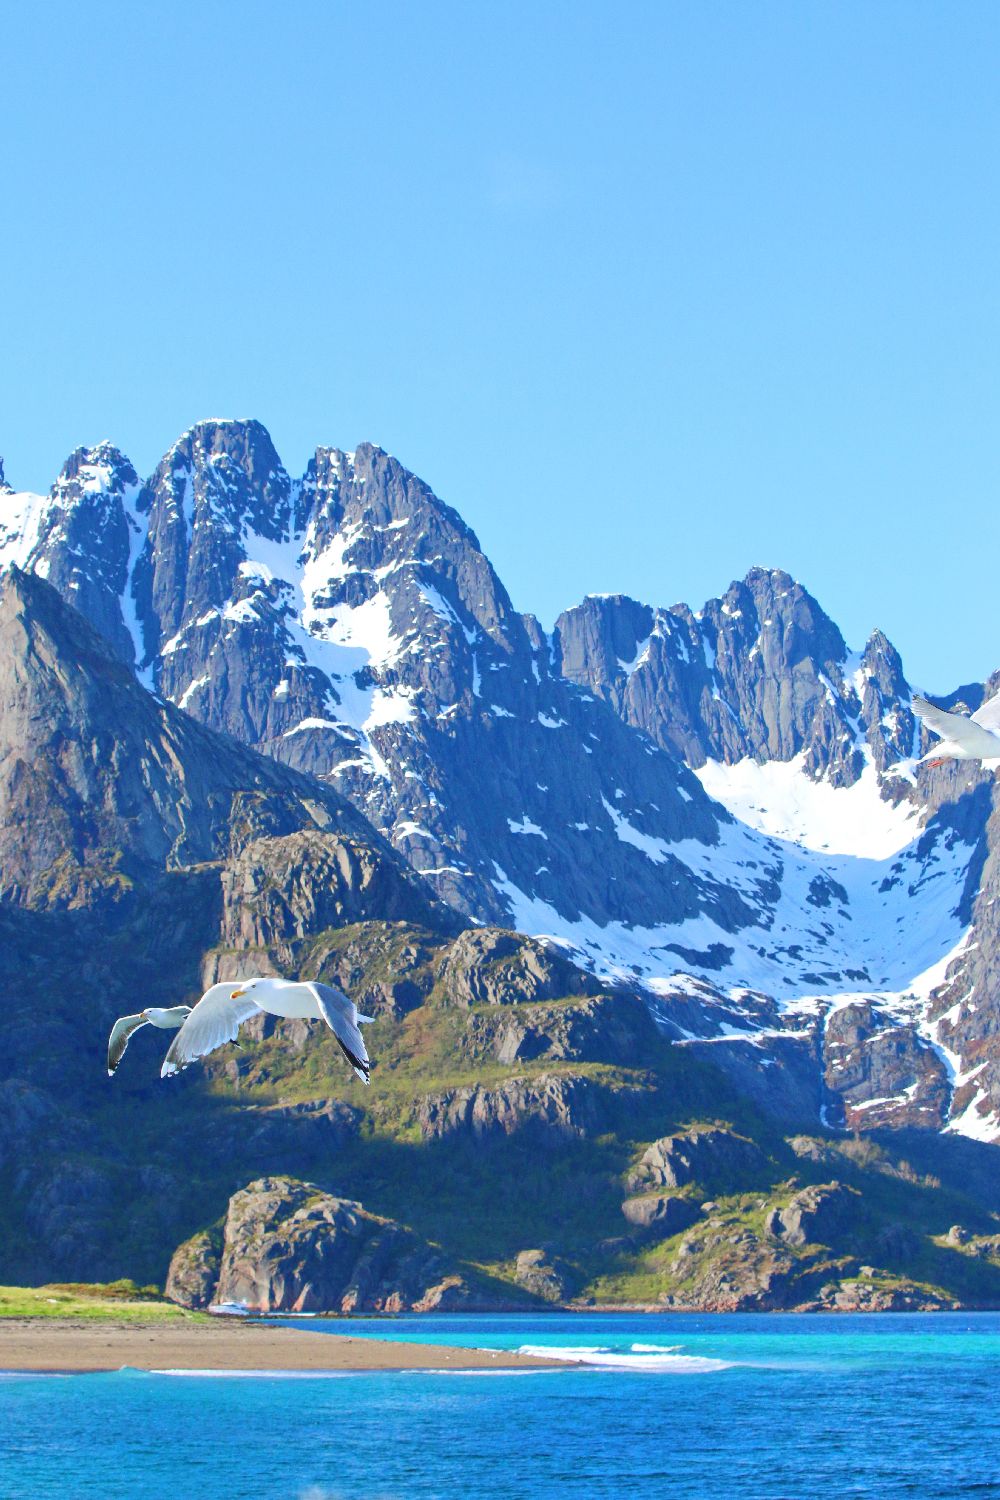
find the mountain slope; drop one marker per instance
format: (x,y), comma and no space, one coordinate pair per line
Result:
(729,795)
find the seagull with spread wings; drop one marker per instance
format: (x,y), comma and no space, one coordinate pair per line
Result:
(167,1018)
(963,736)
(221,1011)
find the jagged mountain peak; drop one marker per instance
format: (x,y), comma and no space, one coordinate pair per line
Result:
(233,436)
(224,470)
(772,611)
(98,469)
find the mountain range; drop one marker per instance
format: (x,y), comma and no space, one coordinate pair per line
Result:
(271,709)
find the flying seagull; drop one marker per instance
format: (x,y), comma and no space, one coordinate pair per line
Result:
(963,736)
(166,1019)
(221,1011)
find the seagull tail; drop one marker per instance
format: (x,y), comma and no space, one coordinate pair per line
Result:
(365,1020)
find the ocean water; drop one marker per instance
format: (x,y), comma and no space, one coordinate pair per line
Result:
(687,1407)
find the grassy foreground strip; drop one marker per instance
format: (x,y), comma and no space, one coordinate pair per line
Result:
(114,1301)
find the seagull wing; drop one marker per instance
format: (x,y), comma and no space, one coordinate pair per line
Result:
(215,1020)
(118,1040)
(959,729)
(988,715)
(341,1015)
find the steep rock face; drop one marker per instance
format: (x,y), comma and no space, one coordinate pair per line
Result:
(782,1076)
(216,480)
(101,784)
(288,1246)
(883,1073)
(82,538)
(963,1015)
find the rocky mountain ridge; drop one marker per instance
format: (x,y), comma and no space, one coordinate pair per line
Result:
(721,805)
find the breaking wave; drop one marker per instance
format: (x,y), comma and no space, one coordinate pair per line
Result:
(663,1358)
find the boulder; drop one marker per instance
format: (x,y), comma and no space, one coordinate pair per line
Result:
(194,1270)
(542,1276)
(667,1214)
(289,1246)
(816,1215)
(712,1158)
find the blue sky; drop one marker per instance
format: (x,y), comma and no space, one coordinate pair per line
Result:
(649,292)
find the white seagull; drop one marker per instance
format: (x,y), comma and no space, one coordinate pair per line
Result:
(963,736)
(166,1019)
(221,1011)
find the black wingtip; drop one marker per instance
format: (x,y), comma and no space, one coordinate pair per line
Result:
(361,1067)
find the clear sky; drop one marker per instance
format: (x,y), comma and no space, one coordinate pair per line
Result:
(649,292)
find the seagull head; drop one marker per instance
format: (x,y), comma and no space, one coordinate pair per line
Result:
(255,988)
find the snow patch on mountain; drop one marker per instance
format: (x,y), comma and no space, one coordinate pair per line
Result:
(819,919)
(21,517)
(781,799)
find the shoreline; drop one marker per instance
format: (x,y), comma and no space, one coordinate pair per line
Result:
(62,1347)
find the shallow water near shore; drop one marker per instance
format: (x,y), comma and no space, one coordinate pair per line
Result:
(692,1407)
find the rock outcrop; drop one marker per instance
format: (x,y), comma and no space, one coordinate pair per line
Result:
(819,1214)
(611,1028)
(883,1072)
(711,1158)
(288,1246)
(493,966)
(544,1276)
(664,1213)
(551,1108)
(279,888)
(193,1275)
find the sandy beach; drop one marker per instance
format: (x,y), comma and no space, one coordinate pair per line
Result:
(28,1344)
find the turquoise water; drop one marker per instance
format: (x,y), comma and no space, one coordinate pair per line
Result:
(766,1407)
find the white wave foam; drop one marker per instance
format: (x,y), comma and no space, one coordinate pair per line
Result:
(656,1348)
(666,1363)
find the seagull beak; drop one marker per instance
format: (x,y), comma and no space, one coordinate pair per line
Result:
(237,994)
